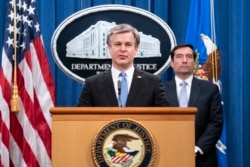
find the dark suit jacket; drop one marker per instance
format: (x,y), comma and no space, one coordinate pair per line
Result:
(146,90)
(208,122)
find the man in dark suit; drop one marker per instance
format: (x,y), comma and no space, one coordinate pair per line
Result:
(201,94)
(104,89)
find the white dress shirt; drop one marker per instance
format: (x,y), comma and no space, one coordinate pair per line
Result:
(188,86)
(115,76)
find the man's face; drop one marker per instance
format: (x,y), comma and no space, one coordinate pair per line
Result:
(122,50)
(183,62)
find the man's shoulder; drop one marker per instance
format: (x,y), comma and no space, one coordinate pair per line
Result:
(169,82)
(202,81)
(148,74)
(205,83)
(98,76)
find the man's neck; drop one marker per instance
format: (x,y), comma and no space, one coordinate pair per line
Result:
(183,76)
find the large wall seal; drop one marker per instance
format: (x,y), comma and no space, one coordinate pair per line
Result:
(79,42)
(123,143)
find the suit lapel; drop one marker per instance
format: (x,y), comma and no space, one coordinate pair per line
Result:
(136,85)
(172,93)
(195,92)
(109,88)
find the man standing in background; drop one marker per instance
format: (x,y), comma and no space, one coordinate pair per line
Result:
(187,91)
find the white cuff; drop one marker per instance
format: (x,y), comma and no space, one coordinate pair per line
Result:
(197,149)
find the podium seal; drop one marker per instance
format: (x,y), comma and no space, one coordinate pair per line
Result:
(123,143)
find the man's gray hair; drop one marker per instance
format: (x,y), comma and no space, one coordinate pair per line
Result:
(121,28)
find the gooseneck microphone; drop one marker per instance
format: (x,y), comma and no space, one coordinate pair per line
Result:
(119,91)
(119,87)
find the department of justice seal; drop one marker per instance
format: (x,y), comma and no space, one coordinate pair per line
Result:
(123,143)
(80,51)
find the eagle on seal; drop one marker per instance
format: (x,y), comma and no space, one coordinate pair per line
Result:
(120,142)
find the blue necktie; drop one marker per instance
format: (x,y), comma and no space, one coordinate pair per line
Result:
(124,89)
(183,98)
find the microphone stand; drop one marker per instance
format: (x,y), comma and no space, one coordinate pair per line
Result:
(119,92)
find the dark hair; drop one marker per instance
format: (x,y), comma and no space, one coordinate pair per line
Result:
(172,53)
(121,28)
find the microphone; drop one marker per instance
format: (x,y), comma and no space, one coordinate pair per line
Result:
(119,87)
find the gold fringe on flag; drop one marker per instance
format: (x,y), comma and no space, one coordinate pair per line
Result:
(214,66)
(14,103)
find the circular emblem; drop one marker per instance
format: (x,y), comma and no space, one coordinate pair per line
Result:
(123,143)
(79,43)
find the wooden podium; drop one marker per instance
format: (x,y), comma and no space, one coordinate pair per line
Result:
(74,130)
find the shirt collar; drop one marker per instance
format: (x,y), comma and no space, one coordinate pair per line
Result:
(129,72)
(188,80)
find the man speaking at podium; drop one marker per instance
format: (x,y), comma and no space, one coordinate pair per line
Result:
(123,84)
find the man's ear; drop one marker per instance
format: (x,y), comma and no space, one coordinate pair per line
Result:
(171,63)
(136,48)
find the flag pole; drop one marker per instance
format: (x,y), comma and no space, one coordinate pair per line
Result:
(215,59)
(14,103)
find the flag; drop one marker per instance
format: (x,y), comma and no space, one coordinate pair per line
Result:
(202,35)
(25,135)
